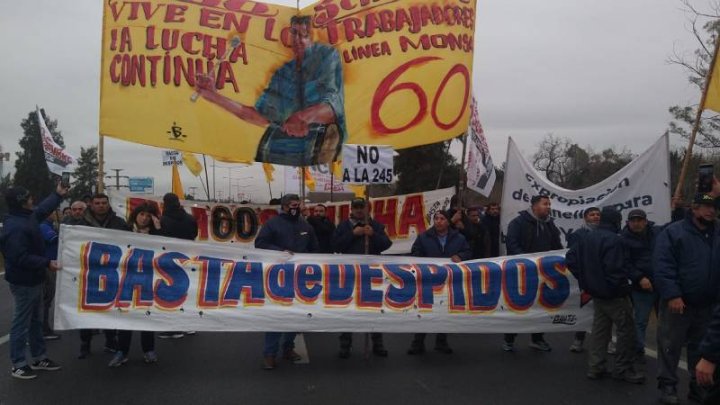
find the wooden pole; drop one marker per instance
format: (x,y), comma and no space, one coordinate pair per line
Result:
(101,165)
(462,173)
(696,125)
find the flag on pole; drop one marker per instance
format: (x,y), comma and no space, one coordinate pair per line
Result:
(192,163)
(309,180)
(269,169)
(359,190)
(58,161)
(177,187)
(480,169)
(337,169)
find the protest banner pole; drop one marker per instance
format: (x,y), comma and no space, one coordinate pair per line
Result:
(101,164)
(332,182)
(696,125)
(462,173)
(207,180)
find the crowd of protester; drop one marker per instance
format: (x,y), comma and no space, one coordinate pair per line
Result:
(629,271)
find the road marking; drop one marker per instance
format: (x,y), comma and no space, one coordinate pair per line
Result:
(4,339)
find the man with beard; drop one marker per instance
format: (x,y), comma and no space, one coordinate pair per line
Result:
(491,220)
(687,283)
(473,230)
(324,228)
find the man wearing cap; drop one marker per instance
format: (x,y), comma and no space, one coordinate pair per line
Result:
(591,218)
(598,262)
(290,233)
(639,237)
(358,235)
(23,248)
(687,284)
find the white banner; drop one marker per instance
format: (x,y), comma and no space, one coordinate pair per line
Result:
(404,216)
(367,164)
(644,183)
(480,169)
(58,161)
(123,280)
(324,180)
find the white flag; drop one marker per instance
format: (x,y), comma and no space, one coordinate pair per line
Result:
(480,170)
(57,159)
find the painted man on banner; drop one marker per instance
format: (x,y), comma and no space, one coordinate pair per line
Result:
(302,107)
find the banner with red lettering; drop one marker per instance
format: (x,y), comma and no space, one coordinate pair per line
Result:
(404,216)
(124,280)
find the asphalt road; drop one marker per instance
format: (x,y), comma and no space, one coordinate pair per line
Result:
(222,368)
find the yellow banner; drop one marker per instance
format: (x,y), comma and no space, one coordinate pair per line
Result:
(243,80)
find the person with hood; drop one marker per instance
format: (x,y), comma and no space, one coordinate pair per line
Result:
(49,231)
(491,221)
(638,237)
(290,233)
(532,231)
(686,279)
(359,235)
(99,214)
(143,219)
(176,223)
(598,262)
(591,218)
(22,246)
(439,241)
(324,228)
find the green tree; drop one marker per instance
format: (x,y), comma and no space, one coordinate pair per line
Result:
(31,170)
(86,173)
(5,183)
(426,167)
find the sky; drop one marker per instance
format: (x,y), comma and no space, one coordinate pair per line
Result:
(594,71)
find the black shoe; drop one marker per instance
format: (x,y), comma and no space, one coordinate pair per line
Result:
(380,351)
(23,373)
(416,348)
(45,364)
(443,348)
(630,376)
(84,352)
(596,375)
(668,395)
(344,352)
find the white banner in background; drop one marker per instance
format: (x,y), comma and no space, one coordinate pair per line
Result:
(123,280)
(324,180)
(480,169)
(57,159)
(367,164)
(643,183)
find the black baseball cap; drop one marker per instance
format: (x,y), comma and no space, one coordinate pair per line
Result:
(703,199)
(357,203)
(637,213)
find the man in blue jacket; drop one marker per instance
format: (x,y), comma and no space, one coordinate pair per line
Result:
(687,283)
(598,262)
(439,241)
(532,231)
(290,233)
(639,237)
(23,247)
(359,235)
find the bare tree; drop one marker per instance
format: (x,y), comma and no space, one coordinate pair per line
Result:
(552,158)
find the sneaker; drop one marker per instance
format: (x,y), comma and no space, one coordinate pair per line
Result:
(443,348)
(84,352)
(577,346)
(150,357)
(191,332)
(630,376)
(51,336)
(508,347)
(380,351)
(596,375)
(344,352)
(23,373)
(269,363)
(541,346)
(45,364)
(668,395)
(290,355)
(171,335)
(118,360)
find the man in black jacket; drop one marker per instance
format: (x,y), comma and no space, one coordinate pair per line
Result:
(324,228)
(99,215)
(532,231)
(358,235)
(598,262)
(491,221)
(290,233)
(23,248)
(473,230)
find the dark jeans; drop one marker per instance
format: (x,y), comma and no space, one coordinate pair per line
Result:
(535,337)
(609,312)
(147,341)
(346,339)
(26,326)
(440,339)
(674,332)
(110,338)
(643,304)
(272,342)
(48,297)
